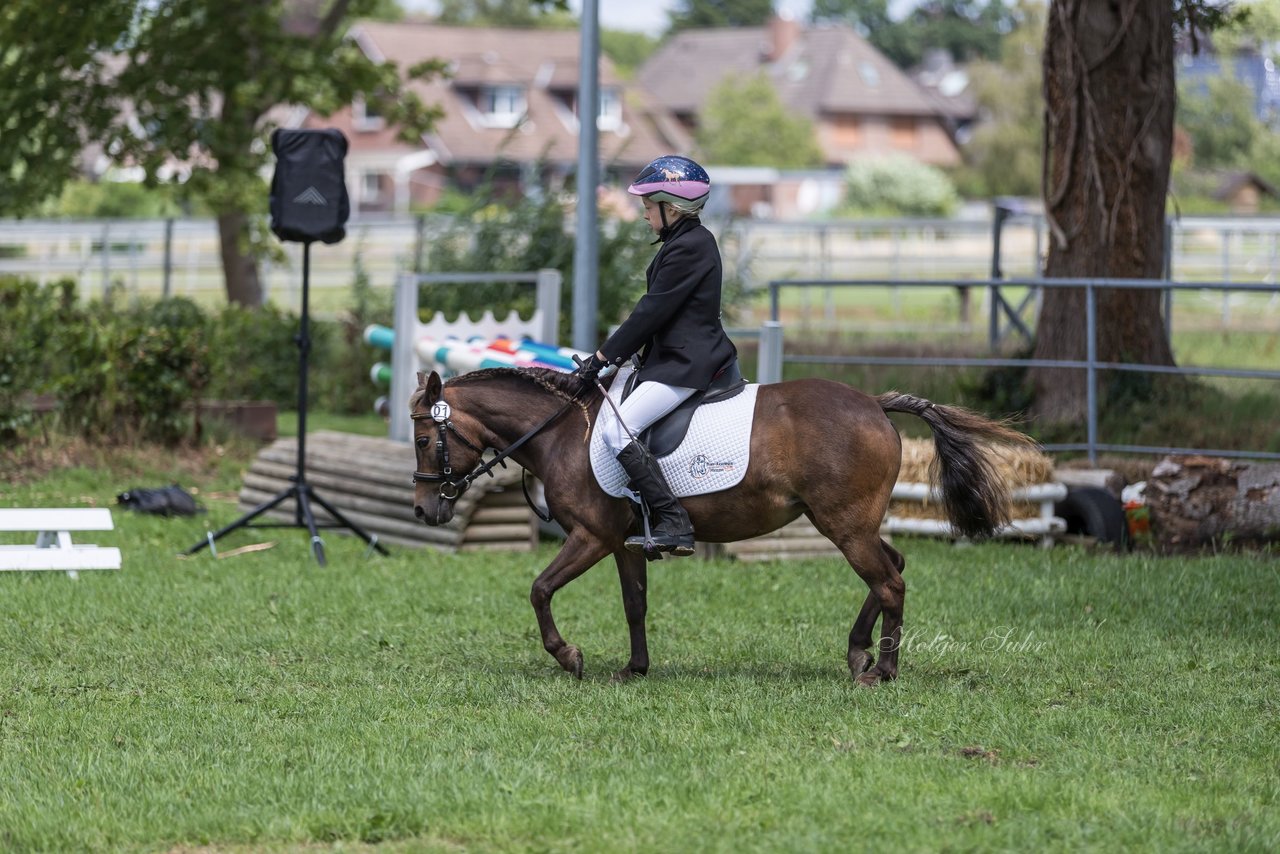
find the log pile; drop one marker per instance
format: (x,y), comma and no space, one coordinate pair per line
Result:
(1197,501)
(369,480)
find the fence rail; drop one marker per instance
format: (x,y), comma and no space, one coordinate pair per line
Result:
(182,256)
(773,355)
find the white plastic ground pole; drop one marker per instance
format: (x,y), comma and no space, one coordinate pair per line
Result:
(53,547)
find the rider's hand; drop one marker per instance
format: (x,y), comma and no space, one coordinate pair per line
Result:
(589,369)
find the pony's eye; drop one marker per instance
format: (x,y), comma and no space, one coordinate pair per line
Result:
(423,441)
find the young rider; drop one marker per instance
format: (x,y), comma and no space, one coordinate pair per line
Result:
(677,331)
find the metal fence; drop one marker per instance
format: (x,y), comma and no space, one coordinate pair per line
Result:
(772,353)
(182,256)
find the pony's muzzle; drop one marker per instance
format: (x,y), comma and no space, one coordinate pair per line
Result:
(442,514)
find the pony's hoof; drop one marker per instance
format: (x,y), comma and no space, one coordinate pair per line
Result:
(570,658)
(626,674)
(875,676)
(860,662)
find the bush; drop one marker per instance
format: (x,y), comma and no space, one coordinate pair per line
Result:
(135,371)
(341,378)
(112,200)
(165,367)
(253,355)
(499,235)
(132,372)
(31,318)
(897,186)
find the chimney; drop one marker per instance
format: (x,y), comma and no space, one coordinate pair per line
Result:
(783,30)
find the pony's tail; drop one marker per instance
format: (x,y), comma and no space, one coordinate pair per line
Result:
(974,495)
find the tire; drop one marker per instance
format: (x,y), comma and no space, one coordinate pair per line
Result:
(1094,512)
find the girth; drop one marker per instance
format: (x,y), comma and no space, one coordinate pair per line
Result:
(666,434)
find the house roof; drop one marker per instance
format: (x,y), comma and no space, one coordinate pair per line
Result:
(544,63)
(828,69)
(1231,182)
(947,85)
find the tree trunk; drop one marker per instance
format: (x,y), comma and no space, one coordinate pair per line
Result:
(238,266)
(1109,105)
(1200,501)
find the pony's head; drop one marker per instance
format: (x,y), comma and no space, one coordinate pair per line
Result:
(483,407)
(445,454)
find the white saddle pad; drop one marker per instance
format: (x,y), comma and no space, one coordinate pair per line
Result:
(713,455)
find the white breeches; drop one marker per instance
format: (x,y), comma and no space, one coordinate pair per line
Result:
(646,404)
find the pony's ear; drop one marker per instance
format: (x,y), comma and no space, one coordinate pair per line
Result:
(433,386)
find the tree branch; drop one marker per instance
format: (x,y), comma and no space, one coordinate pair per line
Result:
(334,17)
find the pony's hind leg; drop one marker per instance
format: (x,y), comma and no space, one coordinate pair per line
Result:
(874,562)
(860,657)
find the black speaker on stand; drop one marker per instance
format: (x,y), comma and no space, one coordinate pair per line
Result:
(308,203)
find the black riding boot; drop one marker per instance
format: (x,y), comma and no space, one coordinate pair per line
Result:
(671,529)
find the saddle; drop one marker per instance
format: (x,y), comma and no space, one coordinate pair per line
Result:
(665,435)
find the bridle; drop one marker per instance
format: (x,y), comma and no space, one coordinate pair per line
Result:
(451,484)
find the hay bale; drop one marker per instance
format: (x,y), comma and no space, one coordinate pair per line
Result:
(1019,466)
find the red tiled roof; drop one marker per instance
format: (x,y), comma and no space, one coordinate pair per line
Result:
(545,64)
(825,70)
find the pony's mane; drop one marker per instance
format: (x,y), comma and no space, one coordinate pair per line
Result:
(562,385)
(558,384)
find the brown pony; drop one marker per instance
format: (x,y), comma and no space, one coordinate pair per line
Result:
(818,447)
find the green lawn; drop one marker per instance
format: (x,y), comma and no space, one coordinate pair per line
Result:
(1049,700)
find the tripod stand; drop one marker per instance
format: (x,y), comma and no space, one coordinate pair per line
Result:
(301,492)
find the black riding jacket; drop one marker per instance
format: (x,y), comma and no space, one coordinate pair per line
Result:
(676,325)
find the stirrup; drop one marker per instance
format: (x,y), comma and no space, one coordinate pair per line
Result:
(654,547)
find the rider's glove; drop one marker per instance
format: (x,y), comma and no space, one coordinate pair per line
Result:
(588,369)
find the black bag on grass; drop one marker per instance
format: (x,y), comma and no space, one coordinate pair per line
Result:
(163,501)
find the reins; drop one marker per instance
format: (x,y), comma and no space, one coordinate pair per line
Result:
(440,413)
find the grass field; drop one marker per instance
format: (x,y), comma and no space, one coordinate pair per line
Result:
(1049,700)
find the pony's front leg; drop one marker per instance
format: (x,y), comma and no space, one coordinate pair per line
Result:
(633,573)
(579,553)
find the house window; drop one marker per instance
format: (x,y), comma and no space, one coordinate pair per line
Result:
(370,188)
(610,116)
(846,131)
(365,117)
(502,106)
(903,132)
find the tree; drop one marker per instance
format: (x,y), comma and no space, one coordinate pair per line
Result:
(194,85)
(1220,122)
(867,17)
(627,50)
(745,123)
(1003,156)
(709,14)
(51,90)
(203,77)
(519,14)
(1109,108)
(967,29)
(1255,26)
